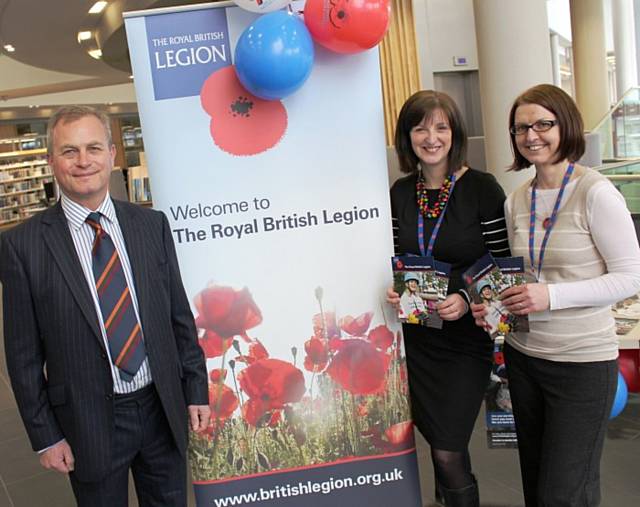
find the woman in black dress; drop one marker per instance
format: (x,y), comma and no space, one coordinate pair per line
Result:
(448,368)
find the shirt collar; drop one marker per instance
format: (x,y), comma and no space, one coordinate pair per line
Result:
(76,214)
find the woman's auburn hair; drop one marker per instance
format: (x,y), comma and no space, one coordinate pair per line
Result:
(556,100)
(422,105)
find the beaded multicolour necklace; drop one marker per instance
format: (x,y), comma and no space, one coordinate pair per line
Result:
(423,197)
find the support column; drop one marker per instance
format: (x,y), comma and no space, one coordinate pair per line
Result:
(420,17)
(555,59)
(624,43)
(508,66)
(589,60)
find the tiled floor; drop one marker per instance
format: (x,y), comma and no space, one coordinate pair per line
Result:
(23,483)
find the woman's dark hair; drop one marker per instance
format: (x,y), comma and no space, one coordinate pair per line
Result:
(556,100)
(422,105)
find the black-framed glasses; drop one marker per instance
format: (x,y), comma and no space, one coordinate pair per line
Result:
(540,126)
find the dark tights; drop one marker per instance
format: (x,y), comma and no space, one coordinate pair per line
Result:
(452,469)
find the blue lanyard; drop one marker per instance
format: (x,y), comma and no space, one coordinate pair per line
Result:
(551,223)
(434,233)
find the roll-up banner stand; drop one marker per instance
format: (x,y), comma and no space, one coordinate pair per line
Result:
(280,215)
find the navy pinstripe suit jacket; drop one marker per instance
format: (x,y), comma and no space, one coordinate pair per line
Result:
(50,319)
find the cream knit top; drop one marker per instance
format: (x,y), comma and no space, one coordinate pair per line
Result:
(575,333)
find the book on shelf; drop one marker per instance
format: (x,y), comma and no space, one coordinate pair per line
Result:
(23,170)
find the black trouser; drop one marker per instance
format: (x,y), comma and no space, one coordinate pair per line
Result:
(143,443)
(561,411)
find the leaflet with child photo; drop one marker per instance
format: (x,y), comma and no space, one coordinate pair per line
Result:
(486,280)
(422,283)
(501,426)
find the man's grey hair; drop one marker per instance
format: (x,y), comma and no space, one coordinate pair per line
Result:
(72,113)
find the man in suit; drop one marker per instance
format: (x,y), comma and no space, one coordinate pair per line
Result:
(100,340)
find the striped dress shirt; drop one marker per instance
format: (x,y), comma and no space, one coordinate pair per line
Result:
(83,236)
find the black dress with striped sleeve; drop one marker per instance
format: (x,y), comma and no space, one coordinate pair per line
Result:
(449,367)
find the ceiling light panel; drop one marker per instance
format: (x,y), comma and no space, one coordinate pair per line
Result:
(86,35)
(97,7)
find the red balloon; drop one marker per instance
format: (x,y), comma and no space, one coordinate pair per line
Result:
(347,26)
(628,363)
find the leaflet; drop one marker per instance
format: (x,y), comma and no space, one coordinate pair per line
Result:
(501,427)
(422,283)
(486,280)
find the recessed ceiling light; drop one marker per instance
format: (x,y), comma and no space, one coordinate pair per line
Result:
(86,35)
(97,7)
(95,53)
(9,48)
(131,76)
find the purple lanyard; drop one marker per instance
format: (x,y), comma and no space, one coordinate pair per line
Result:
(552,220)
(434,233)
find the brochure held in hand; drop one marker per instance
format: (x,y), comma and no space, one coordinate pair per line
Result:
(422,283)
(486,280)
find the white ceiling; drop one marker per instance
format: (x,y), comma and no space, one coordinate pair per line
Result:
(44,34)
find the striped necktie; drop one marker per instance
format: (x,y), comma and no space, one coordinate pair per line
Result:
(123,329)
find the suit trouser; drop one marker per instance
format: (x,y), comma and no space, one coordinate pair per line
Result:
(561,411)
(143,443)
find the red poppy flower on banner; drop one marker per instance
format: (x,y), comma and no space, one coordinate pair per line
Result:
(213,345)
(356,326)
(257,412)
(401,434)
(335,344)
(241,123)
(317,355)
(270,384)
(217,374)
(362,409)
(275,418)
(222,401)
(381,337)
(253,410)
(359,367)
(322,321)
(226,311)
(257,351)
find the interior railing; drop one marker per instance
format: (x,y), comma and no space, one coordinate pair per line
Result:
(625,175)
(620,128)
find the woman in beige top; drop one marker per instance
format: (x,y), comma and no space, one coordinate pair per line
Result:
(578,240)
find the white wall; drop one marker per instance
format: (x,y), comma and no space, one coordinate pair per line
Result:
(559,17)
(450,33)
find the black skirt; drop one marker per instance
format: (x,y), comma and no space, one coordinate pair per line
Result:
(446,384)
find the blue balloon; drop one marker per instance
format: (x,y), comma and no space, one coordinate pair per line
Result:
(274,55)
(620,400)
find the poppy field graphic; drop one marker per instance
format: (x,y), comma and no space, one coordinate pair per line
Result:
(342,393)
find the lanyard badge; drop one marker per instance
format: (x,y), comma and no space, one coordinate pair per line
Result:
(548,222)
